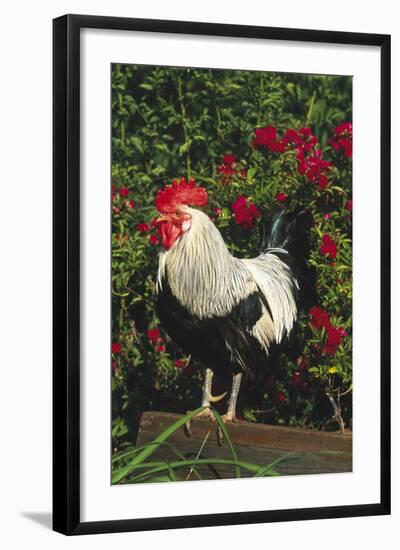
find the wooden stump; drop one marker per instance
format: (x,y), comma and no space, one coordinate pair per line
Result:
(316,452)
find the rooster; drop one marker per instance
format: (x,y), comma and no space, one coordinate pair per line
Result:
(224,311)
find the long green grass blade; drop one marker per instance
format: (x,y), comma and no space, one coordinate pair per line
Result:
(172,474)
(222,426)
(266,470)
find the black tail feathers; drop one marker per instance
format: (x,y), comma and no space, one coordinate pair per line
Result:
(287,230)
(290,231)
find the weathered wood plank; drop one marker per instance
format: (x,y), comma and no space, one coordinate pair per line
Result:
(316,452)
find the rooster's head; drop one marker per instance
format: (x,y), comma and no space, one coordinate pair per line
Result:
(172,202)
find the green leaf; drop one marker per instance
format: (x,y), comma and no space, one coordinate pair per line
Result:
(251,172)
(185,147)
(249,415)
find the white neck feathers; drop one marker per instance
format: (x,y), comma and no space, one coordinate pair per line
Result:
(202,274)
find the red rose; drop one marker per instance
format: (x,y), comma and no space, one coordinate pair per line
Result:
(328,247)
(244,214)
(124,192)
(330,349)
(239,204)
(307,147)
(154,239)
(320,317)
(226,170)
(153,335)
(243,218)
(323,182)
(305,132)
(349,150)
(116,347)
(343,138)
(344,143)
(160,348)
(309,157)
(264,136)
(279,398)
(142,227)
(281,197)
(334,338)
(276,147)
(349,205)
(300,154)
(345,127)
(302,167)
(229,159)
(334,335)
(180,363)
(130,204)
(254,211)
(291,136)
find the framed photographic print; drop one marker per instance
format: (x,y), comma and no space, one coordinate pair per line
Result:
(221,310)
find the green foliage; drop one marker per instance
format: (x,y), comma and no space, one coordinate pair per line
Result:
(170,123)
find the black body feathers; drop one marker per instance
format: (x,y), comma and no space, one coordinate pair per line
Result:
(221,343)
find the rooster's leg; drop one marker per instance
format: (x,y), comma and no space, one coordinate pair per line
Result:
(207,388)
(230,415)
(207,399)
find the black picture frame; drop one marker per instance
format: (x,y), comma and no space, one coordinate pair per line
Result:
(66,272)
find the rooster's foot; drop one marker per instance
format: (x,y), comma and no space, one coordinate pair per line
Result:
(226,418)
(205,413)
(229,417)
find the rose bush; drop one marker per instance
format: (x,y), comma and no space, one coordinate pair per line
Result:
(255,141)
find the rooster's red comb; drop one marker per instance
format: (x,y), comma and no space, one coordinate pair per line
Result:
(178,194)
